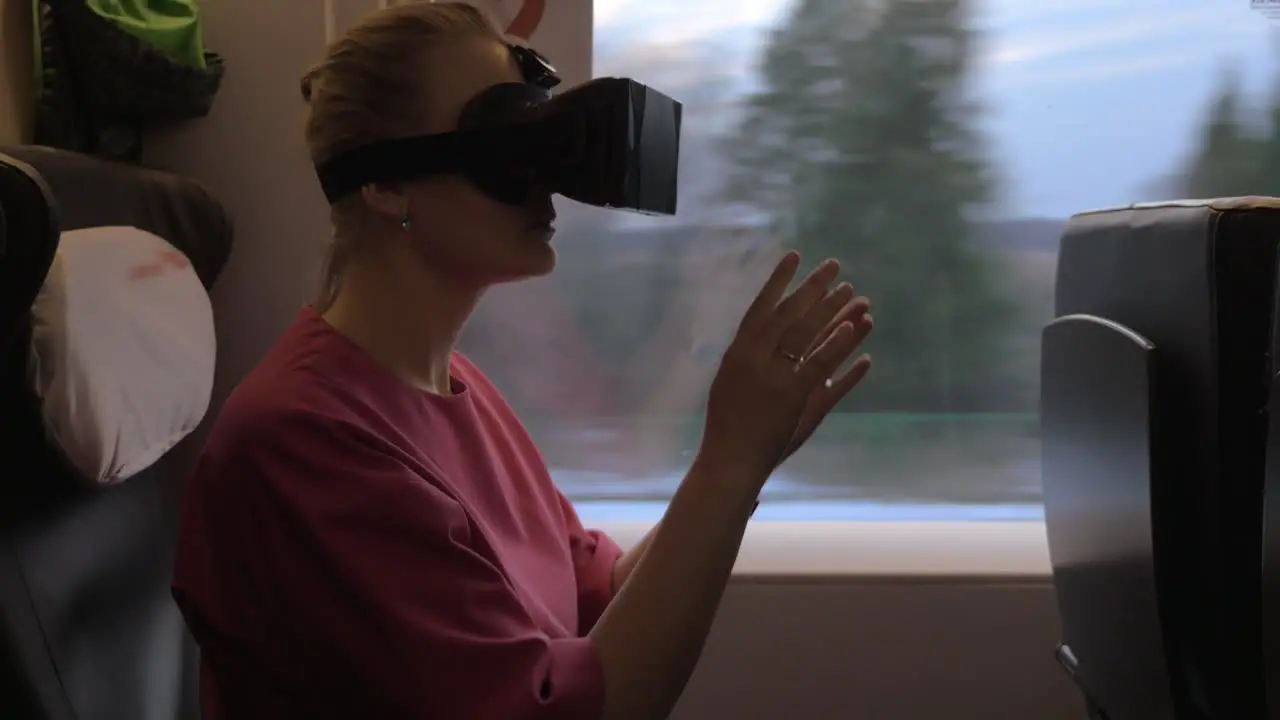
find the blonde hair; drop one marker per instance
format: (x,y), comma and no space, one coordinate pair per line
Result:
(357,93)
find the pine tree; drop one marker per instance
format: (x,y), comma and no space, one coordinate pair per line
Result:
(862,146)
(1265,155)
(1230,158)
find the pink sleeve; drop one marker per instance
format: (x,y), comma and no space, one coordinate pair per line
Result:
(594,555)
(385,607)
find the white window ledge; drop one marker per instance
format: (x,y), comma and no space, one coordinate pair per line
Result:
(925,551)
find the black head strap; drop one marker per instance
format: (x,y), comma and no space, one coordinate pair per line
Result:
(454,152)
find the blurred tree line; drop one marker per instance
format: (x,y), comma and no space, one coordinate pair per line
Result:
(1238,149)
(860,142)
(863,145)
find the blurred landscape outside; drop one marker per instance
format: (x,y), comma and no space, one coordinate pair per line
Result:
(937,148)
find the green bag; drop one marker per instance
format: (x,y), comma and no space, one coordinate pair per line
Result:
(108,70)
(172,26)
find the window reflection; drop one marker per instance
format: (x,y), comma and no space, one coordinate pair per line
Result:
(937,148)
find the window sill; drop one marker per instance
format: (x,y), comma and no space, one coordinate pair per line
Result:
(903,551)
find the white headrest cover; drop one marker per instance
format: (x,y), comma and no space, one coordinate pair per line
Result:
(123,350)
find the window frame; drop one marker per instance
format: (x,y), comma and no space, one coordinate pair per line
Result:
(1013,551)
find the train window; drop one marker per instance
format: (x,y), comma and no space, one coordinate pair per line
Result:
(937,148)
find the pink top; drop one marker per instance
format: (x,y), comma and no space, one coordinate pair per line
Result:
(353,547)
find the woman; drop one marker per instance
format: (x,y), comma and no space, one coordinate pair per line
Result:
(370,531)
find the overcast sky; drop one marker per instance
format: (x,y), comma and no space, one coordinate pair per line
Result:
(1087,100)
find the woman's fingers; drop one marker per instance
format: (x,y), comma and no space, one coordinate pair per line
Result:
(823,363)
(761,309)
(863,324)
(795,306)
(850,311)
(804,334)
(842,384)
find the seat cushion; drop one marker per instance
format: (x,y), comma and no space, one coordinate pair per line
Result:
(122,352)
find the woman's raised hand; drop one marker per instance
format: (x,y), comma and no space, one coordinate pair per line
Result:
(778,378)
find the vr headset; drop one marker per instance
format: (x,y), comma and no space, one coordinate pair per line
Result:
(611,142)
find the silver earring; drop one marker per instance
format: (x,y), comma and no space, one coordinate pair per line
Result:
(406,223)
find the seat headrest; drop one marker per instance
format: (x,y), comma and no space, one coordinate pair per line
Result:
(44,191)
(89,192)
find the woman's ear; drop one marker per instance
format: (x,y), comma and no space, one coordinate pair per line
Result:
(387,201)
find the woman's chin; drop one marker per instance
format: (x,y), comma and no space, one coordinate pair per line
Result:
(532,260)
(544,262)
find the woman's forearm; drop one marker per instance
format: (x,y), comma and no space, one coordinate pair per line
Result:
(627,563)
(651,635)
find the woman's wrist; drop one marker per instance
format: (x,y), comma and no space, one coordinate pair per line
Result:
(733,481)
